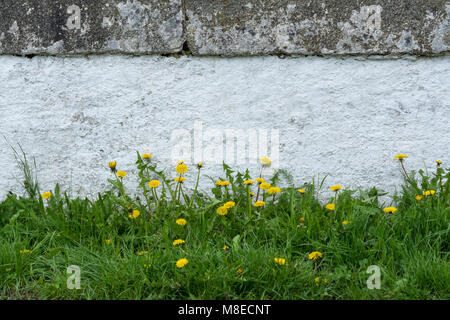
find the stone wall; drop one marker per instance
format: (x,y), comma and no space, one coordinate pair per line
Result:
(184,79)
(227,27)
(317,27)
(90,26)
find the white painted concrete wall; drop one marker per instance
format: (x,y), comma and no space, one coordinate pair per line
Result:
(345,117)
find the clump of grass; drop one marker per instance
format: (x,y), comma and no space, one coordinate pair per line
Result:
(246,239)
(30,181)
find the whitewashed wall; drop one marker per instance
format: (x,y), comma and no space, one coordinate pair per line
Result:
(345,117)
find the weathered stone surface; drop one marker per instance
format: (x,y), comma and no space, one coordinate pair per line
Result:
(254,27)
(90,26)
(226,27)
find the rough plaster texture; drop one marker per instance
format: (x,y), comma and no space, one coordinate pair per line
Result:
(226,27)
(90,26)
(342,117)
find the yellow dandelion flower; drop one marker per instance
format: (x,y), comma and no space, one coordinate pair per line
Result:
(330,206)
(181,222)
(229,204)
(302,191)
(273,190)
(259,204)
(302,219)
(182,263)
(438,162)
(246,182)
(318,280)
(346,222)
(121,174)
(239,271)
(108,241)
(419,197)
(135,214)
(429,193)
(225,248)
(280,261)
(146,156)
(335,187)
(266,161)
(46,195)
(178,242)
(252,194)
(390,209)
(400,157)
(314,255)
(222,183)
(260,180)
(199,165)
(181,168)
(264,185)
(112,165)
(154,184)
(222,210)
(180,179)
(25,251)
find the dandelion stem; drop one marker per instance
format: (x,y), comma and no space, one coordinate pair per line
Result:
(335,200)
(155,197)
(404,170)
(145,189)
(177,197)
(121,188)
(195,190)
(260,176)
(184,195)
(179,192)
(257,193)
(249,202)
(226,193)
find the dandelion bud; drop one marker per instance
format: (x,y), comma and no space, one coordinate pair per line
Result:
(112,165)
(146,156)
(266,161)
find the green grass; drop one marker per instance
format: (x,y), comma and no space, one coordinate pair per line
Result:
(411,246)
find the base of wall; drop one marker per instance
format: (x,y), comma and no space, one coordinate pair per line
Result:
(342,117)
